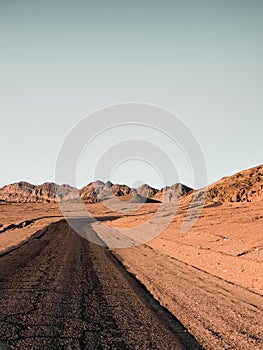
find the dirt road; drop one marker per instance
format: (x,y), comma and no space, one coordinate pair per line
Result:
(59,291)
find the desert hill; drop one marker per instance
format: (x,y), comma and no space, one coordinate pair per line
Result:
(99,191)
(245,186)
(147,191)
(172,193)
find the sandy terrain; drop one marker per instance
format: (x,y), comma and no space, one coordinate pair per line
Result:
(210,278)
(19,221)
(227,241)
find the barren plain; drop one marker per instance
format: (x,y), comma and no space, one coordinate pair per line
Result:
(209,278)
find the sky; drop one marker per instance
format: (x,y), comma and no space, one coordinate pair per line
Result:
(62,60)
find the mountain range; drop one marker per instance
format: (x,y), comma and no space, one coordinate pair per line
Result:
(245,186)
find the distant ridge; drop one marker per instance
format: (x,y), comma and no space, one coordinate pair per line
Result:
(245,186)
(24,192)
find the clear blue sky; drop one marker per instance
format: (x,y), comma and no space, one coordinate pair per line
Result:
(61,60)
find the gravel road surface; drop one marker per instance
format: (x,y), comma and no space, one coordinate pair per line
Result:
(59,291)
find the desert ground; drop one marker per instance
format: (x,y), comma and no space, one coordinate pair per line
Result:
(209,278)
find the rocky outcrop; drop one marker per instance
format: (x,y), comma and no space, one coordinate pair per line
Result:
(245,186)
